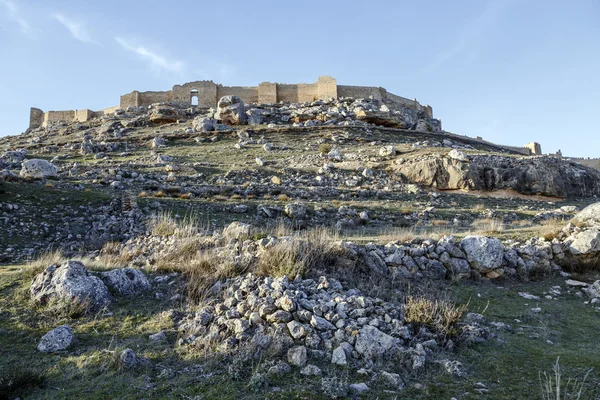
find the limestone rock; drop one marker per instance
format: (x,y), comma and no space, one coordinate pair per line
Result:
(548,176)
(57,339)
(457,155)
(295,210)
(71,282)
(483,253)
(387,151)
(163,114)
(586,242)
(130,361)
(237,230)
(589,214)
(231,111)
(203,124)
(38,169)
(126,281)
(297,356)
(371,341)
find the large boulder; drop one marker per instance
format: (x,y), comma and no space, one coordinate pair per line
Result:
(590,214)
(57,339)
(126,281)
(70,282)
(38,169)
(163,114)
(585,243)
(231,111)
(485,254)
(371,341)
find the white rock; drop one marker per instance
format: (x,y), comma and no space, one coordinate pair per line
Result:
(38,169)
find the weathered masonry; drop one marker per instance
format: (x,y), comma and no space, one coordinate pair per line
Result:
(207,94)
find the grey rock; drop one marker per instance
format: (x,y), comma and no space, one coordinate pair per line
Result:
(371,341)
(59,338)
(231,111)
(130,361)
(311,370)
(321,324)
(339,356)
(70,282)
(38,169)
(126,281)
(483,253)
(586,242)
(297,356)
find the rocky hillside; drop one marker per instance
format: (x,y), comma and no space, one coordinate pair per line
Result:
(337,249)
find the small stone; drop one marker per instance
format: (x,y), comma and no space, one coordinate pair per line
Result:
(297,356)
(359,388)
(158,337)
(321,323)
(311,370)
(339,356)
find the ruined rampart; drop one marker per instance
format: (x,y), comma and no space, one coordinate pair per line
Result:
(207,94)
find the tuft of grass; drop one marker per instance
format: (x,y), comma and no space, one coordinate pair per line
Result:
(300,254)
(439,315)
(553,387)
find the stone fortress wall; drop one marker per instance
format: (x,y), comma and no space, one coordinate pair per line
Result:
(207,93)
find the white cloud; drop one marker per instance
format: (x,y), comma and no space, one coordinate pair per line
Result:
(77,29)
(12,13)
(156,60)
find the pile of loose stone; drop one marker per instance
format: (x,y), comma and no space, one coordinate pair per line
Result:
(317,322)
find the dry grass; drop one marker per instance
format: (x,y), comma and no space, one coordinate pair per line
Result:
(165,224)
(439,315)
(311,250)
(104,262)
(551,228)
(553,386)
(487,226)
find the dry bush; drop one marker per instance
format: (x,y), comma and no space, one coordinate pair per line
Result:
(551,228)
(202,270)
(441,316)
(281,259)
(311,250)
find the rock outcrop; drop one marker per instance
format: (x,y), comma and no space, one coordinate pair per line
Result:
(547,176)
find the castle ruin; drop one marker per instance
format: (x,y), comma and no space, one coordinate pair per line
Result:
(206,94)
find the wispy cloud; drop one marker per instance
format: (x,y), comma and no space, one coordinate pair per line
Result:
(156,60)
(471,32)
(77,29)
(12,12)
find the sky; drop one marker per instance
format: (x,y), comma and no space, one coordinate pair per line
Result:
(511,71)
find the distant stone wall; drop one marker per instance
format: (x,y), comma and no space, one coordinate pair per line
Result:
(207,94)
(58,116)
(267,93)
(248,94)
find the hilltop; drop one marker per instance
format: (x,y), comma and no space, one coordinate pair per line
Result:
(344,246)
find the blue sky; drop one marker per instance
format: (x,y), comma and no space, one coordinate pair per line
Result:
(511,71)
